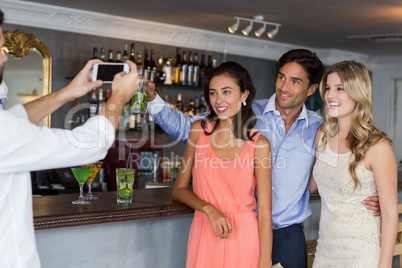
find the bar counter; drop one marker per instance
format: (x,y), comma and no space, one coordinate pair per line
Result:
(57,210)
(152,231)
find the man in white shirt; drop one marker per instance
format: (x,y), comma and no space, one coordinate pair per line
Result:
(26,147)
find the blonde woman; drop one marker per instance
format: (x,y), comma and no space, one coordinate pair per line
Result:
(353,160)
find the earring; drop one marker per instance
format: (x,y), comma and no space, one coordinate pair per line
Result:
(244,103)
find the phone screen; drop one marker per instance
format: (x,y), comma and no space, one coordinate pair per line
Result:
(106,72)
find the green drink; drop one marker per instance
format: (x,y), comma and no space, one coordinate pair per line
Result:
(140,98)
(125,190)
(81,174)
(124,184)
(140,101)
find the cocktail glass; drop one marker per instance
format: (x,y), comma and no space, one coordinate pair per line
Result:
(81,174)
(124,184)
(91,177)
(140,98)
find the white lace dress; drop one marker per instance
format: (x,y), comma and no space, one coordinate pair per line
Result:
(349,235)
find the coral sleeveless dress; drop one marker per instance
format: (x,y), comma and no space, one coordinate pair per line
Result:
(349,235)
(229,186)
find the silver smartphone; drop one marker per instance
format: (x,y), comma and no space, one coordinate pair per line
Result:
(107,71)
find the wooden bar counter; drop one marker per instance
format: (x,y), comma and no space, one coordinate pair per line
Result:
(57,210)
(152,231)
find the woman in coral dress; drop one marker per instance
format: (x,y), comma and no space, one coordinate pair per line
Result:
(354,160)
(227,159)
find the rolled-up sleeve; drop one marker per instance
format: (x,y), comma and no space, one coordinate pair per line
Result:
(175,123)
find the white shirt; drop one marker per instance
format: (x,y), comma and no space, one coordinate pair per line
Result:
(26,147)
(3,95)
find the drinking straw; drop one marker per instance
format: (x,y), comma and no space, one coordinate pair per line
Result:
(129,154)
(143,70)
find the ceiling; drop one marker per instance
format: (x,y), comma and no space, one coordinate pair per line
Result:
(311,23)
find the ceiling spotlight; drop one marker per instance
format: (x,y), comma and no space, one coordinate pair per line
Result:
(260,31)
(272,33)
(258,19)
(234,27)
(247,30)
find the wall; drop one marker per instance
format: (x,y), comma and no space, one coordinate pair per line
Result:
(70,51)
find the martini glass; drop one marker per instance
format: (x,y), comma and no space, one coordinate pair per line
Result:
(91,177)
(81,174)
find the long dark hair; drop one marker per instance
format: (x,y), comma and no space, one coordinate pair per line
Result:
(245,119)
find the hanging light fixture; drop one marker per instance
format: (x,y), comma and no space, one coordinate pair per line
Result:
(234,27)
(247,30)
(272,33)
(258,20)
(260,31)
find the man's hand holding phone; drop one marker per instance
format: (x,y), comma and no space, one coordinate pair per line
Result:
(123,87)
(107,71)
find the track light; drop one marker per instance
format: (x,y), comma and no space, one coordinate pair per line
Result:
(259,20)
(234,27)
(247,30)
(272,33)
(260,31)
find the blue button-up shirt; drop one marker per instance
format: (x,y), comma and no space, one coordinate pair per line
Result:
(292,153)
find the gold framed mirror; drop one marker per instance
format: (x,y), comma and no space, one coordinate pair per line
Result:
(30,55)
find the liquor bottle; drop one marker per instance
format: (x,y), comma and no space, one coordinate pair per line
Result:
(160,73)
(177,67)
(179,104)
(126,115)
(131,123)
(197,105)
(204,106)
(184,70)
(93,104)
(190,70)
(132,53)
(152,65)
(167,69)
(196,72)
(147,65)
(102,55)
(166,98)
(101,100)
(95,53)
(125,53)
(190,109)
(139,62)
(151,122)
(138,122)
(107,94)
(110,59)
(203,68)
(209,64)
(213,63)
(118,56)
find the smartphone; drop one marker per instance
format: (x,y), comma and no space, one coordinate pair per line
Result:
(107,71)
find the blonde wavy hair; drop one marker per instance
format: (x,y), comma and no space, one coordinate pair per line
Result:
(363,133)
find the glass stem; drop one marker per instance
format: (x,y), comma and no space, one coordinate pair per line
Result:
(81,191)
(89,188)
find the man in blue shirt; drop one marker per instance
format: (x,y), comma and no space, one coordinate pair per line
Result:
(284,120)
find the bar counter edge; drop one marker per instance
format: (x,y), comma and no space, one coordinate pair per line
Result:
(58,211)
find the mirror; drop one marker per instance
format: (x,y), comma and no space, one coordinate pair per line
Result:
(28,71)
